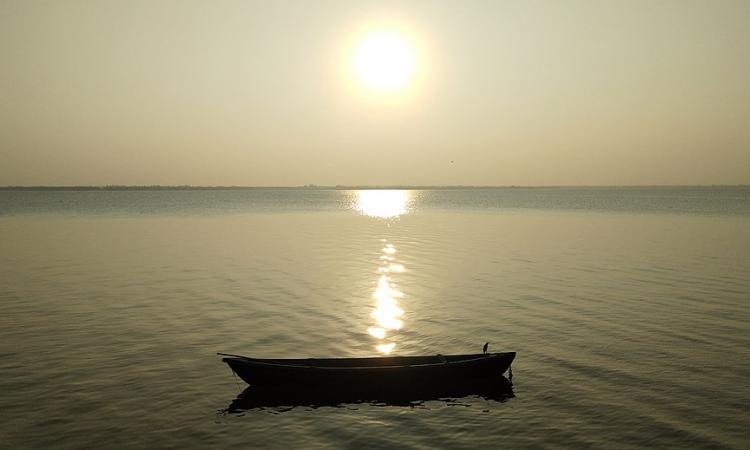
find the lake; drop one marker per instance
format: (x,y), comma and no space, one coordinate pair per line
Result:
(629,309)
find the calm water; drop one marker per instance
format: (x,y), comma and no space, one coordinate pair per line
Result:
(629,310)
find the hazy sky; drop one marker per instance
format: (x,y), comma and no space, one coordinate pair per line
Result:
(259,93)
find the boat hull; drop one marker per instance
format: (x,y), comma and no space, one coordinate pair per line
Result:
(395,371)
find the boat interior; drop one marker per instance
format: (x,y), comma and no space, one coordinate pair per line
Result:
(372,362)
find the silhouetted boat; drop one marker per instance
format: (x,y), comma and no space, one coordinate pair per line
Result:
(382,371)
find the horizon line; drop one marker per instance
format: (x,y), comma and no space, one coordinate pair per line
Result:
(125,187)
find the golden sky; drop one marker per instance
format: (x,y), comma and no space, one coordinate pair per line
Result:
(282,93)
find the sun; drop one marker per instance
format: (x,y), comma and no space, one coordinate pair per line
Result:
(384,62)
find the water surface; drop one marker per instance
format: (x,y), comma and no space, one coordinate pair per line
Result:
(628,309)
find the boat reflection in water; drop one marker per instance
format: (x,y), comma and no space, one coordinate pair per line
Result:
(281,399)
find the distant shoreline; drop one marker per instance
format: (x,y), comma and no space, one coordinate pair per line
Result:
(340,187)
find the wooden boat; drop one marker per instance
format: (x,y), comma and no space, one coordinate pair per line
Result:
(394,370)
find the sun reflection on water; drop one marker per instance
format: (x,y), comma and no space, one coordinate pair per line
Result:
(384,204)
(387,312)
(385,348)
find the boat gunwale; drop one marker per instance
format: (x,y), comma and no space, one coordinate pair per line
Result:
(258,361)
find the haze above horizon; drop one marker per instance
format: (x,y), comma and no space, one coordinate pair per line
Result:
(365,94)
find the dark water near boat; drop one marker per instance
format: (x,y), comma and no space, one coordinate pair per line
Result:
(629,309)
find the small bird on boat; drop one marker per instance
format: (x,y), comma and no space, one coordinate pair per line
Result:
(484,349)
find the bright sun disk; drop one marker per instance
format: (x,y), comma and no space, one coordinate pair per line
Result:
(384,62)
